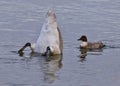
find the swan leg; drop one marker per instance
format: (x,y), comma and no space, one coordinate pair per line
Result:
(20,51)
(48,52)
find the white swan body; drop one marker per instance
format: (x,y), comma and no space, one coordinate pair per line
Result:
(50,39)
(49,35)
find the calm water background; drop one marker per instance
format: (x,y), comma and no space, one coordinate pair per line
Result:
(21,21)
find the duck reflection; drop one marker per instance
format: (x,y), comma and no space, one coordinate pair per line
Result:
(85,52)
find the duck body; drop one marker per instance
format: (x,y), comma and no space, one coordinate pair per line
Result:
(90,45)
(95,45)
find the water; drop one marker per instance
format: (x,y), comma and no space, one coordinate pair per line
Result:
(21,21)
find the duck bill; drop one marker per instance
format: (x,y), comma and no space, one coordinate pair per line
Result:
(79,39)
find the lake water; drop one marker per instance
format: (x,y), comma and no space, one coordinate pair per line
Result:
(21,21)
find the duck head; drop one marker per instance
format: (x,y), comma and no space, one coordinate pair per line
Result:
(83,40)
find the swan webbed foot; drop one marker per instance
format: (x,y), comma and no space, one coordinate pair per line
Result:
(48,52)
(20,52)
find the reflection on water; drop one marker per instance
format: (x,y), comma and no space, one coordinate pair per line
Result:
(50,65)
(85,52)
(112,44)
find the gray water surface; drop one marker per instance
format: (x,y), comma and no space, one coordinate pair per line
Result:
(21,21)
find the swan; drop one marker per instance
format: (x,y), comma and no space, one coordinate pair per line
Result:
(50,40)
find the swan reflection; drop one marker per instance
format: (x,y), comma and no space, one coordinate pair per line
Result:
(51,67)
(48,65)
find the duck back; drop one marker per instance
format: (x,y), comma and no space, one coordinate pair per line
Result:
(95,45)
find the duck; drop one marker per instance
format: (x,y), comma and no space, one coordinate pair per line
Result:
(90,45)
(50,40)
